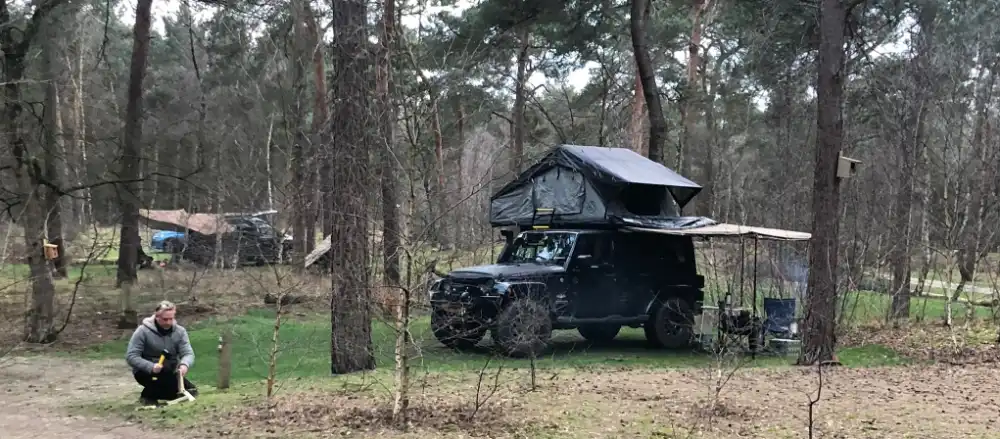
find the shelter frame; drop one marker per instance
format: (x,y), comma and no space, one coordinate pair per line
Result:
(722,230)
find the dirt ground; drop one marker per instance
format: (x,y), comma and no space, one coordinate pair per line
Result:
(905,402)
(38,390)
(912,402)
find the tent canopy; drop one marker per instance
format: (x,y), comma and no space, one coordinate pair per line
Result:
(179,220)
(724,230)
(593,185)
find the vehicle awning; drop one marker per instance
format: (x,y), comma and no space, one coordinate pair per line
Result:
(731,230)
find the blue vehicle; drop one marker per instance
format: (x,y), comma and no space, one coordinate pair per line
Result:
(167,241)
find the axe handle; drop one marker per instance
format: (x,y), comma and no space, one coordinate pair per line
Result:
(160,363)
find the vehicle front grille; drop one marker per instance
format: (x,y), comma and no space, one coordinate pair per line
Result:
(458,290)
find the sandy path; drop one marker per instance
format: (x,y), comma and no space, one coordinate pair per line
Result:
(37,390)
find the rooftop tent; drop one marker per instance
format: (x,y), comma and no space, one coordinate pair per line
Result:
(589,185)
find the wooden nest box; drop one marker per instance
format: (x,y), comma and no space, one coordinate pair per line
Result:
(51,251)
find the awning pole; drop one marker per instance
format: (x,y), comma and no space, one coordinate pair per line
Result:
(753,319)
(743,263)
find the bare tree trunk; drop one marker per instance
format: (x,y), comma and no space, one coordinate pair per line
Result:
(819,335)
(268,164)
(155,192)
(30,213)
(294,121)
(520,98)
(389,160)
(54,151)
(706,205)
(901,231)
(636,131)
(350,332)
(200,149)
(463,214)
(321,176)
(912,153)
(437,194)
(390,209)
(969,253)
(647,74)
(128,252)
(83,209)
(692,95)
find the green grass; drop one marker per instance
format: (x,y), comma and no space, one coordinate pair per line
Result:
(305,351)
(864,307)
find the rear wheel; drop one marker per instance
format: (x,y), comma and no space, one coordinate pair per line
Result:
(671,325)
(523,329)
(599,332)
(456,332)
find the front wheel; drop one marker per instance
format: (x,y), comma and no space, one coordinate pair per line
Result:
(456,332)
(672,324)
(523,329)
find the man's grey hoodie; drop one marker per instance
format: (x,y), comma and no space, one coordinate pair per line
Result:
(148,341)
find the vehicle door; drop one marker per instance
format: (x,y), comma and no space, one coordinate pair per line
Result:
(594,278)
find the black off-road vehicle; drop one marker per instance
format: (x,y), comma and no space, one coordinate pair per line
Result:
(602,258)
(595,281)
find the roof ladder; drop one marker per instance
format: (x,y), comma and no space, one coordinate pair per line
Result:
(540,212)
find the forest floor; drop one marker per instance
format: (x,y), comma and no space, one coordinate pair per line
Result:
(919,381)
(39,390)
(920,401)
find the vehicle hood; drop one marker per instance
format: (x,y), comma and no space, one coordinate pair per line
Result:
(505,271)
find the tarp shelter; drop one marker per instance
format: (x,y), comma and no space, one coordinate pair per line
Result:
(179,220)
(590,185)
(321,250)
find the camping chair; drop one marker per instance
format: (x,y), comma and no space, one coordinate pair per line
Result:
(780,322)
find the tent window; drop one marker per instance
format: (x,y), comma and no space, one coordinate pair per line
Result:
(560,189)
(643,199)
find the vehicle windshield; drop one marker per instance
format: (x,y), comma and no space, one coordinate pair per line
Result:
(549,248)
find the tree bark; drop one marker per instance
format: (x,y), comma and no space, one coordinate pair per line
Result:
(912,154)
(390,210)
(819,335)
(389,160)
(970,252)
(692,95)
(320,177)
(647,74)
(28,172)
(350,332)
(128,189)
(463,218)
(302,228)
(53,149)
(520,98)
(636,131)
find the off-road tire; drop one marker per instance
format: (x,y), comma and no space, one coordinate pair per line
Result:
(523,329)
(599,332)
(671,325)
(455,332)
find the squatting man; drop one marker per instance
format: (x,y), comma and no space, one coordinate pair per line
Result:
(158,335)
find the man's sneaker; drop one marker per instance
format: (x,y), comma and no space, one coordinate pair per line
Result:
(193,392)
(144,401)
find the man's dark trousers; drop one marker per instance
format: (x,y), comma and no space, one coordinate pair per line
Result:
(164,387)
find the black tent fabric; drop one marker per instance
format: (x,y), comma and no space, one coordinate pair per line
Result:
(590,185)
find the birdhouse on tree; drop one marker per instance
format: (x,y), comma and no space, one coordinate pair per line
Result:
(51,250)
